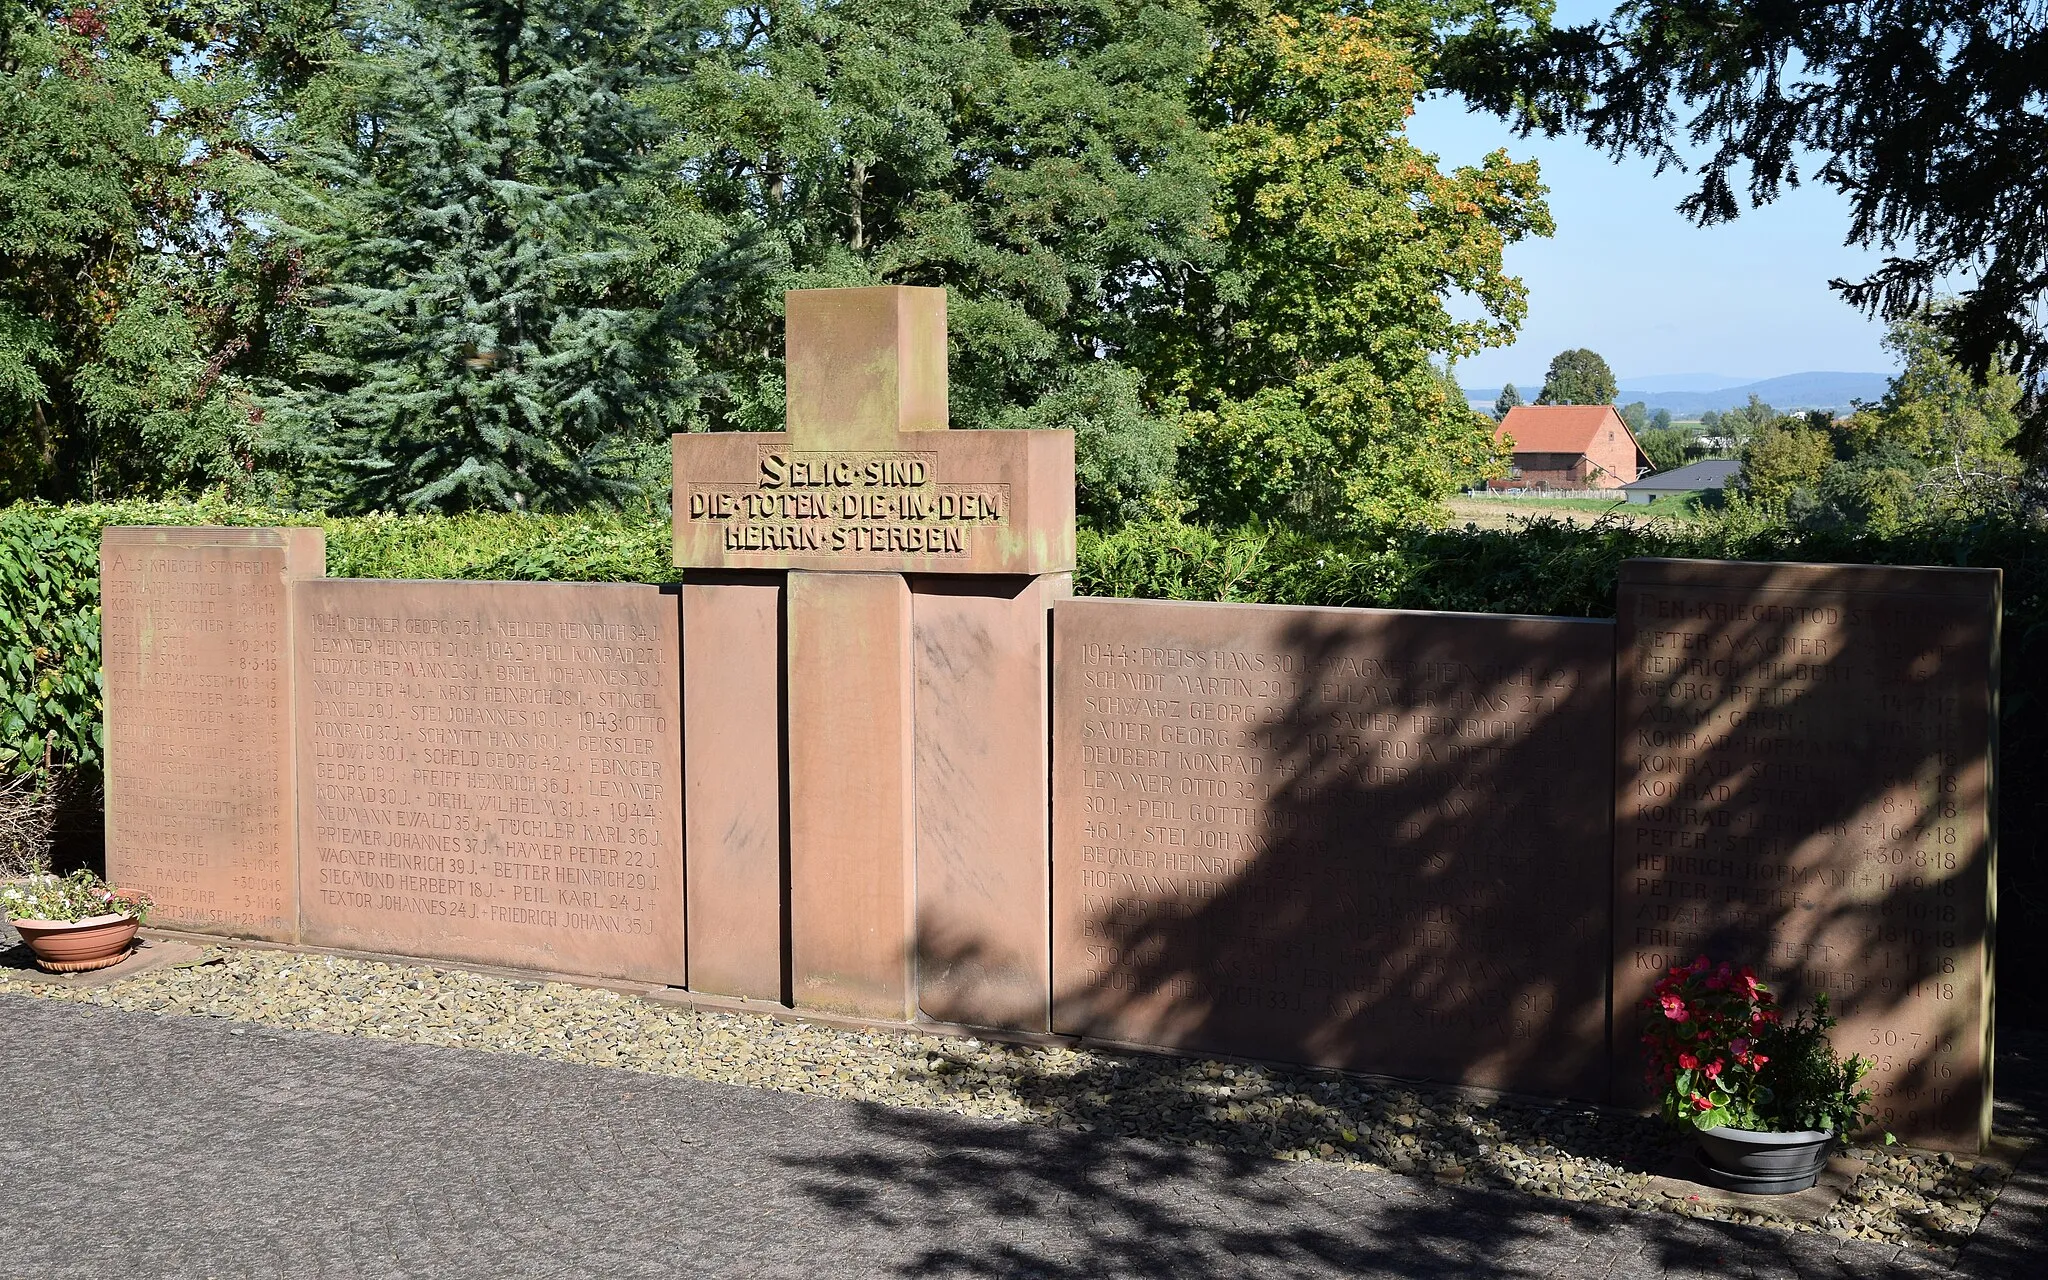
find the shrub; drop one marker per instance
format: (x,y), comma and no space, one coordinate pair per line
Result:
(28,812)
(49,647)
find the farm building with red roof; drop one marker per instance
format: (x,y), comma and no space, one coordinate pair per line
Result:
(1570,446)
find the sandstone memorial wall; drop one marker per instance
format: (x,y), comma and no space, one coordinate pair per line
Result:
(869,759)
(1351,837)
(492,772)
(195,651)
(1804,774)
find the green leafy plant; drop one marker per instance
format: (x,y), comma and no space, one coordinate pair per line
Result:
(1722,1054)
(78,896)
(49,647)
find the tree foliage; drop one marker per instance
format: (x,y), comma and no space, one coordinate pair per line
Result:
(123,341)
(1783,459)
(1337,449)
(1668,447)
(1040,163)
(486,253)
(1925,114)
(482,335)
(1312,342)
(1578,376)
(1935,448)
(1508,399)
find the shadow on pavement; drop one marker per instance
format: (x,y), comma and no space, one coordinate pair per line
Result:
(1121,1202)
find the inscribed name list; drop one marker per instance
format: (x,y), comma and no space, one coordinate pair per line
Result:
(1354,838)
(1805,786)
(946,502)
(491,772)
(194,650)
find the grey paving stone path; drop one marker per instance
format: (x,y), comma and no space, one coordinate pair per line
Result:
(140,1145)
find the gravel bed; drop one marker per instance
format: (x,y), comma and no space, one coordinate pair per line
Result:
(1574,1153)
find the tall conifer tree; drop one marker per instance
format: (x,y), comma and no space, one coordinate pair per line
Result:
(483,338)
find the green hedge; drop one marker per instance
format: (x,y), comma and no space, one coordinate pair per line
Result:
(49,581)
(1545,566)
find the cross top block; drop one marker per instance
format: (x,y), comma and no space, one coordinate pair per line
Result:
(867,477)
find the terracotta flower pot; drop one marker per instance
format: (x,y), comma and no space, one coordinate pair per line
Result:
(73,946)
(1764,1164)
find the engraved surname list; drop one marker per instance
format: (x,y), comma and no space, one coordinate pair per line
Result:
(492,772)
(1804,785)
(1337,836)
(195,658)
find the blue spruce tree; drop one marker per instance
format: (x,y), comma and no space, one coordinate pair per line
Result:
(485,331)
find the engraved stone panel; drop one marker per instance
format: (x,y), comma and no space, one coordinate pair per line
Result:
(491,771)
(1805,784)
(1354,838)
(930,502)
(195,647)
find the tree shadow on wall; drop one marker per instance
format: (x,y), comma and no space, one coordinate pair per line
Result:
(1398,865)
(1448,922)
(1838,776)
(1426,892)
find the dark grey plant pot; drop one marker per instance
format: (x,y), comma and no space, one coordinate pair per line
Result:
(1764,1164)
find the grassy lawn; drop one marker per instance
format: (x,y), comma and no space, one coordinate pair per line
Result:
(1499,511)
(1536,506)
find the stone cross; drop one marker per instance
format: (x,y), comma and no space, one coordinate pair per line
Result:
(912,729)
(867,477)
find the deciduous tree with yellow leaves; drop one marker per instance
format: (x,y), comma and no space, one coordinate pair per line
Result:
(1310,357)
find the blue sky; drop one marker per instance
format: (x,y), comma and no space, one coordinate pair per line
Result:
(1629,277)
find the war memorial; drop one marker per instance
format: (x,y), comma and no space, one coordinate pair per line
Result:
(871,760)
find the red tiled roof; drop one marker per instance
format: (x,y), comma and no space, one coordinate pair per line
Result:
(1557,428)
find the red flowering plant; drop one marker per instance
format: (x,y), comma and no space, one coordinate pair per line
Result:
(1723,1054)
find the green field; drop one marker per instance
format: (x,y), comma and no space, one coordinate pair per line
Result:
(1500,510)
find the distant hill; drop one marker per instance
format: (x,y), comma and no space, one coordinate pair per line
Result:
(1837,391)
(1637,388)
(1818,390)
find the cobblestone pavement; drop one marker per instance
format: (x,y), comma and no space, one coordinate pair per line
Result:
(137,1144)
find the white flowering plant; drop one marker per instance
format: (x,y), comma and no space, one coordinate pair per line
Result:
(78,896)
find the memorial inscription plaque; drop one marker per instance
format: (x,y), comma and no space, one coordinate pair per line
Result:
(1805,784)
(1353,838)
(194,645)
(491,771)
(933,502)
